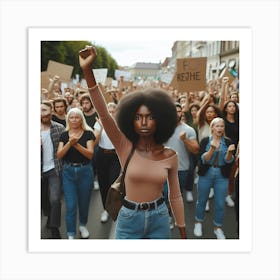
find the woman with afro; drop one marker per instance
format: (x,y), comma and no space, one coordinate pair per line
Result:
(144,121)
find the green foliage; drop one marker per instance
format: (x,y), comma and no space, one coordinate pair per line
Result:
(67,52)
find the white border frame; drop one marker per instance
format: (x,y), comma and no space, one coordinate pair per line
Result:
(244,36)
(262,16)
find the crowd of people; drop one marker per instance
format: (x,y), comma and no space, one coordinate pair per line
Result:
(180,140)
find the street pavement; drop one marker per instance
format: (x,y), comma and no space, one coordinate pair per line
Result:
(100,230)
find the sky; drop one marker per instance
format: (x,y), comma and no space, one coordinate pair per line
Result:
(126,53)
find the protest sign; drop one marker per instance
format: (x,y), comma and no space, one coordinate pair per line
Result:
(174,82)
(114,83)
(45,80)
(226,73)
(166,77)
(100,75)
(191,74)
(64,71)
(126,75)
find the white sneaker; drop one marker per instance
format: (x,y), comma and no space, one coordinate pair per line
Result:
(207,207)
(171,223)
(95,186)
(84,232)
(219,233)
(197,229)
(211,193)
(229,201)
(189,196)
(104,217)
(71,237)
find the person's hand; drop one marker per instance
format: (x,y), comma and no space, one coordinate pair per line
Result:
(87,56)
(214,144)
(73,140)
(225,80)
(231,148)
(183,232)
(183,136)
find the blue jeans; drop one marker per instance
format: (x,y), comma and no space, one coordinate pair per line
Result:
(77,184)
(141,224)
(213,177)
(183,179)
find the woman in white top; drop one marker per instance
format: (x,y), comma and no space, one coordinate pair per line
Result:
(107,162)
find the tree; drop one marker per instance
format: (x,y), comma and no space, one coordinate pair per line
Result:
(67,52)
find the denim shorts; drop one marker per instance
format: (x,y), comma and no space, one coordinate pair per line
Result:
(143,224)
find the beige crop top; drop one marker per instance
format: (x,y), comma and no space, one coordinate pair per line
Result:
(144,177)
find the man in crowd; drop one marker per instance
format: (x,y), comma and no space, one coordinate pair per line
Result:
(50,170)
(60,108)
(88,110)
(90,115)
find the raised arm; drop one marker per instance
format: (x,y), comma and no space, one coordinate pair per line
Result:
(120,88)
(200,113)
(224,91)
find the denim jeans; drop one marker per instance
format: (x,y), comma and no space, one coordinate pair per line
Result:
(183,179)
(51,197)
(77,185)
(143,224)
(213,177)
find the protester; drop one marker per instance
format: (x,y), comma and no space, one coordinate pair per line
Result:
(69,98)
(184,142)
(207,112)
(231,118)
(88,109)
(90,115)
(50,169)
(76,149)
(60,108)
(216,156)
(107,162)
(145,120)
(54,87)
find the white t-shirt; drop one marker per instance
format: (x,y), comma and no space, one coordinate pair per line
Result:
(175,143)
(104,141)
(48,159)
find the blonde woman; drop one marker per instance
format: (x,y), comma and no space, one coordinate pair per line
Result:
(216,158)
(76,149)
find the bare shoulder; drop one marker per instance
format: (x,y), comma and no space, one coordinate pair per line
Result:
(168,153)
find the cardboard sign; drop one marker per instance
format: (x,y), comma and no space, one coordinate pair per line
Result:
(226,73)
(174,82)
(114,83)
(45,80)
(64,71)
(126,75)
(100,75)
(191,74)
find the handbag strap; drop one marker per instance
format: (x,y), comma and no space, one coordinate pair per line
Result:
(124,169)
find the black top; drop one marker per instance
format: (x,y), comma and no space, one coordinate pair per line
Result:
(232,131)
(73,155)
(56,119)
(90,120)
